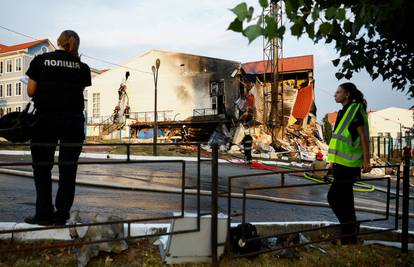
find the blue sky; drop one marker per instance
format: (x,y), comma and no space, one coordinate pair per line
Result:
(119,30)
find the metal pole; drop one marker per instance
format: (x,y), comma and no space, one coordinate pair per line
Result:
(198,184)
(214,205)
(372,146)
(389,149)
(378,146)
(405,204)
(401,154)
(155,128)
(397,198)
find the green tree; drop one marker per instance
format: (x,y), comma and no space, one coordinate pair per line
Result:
(370,35)
(327,129)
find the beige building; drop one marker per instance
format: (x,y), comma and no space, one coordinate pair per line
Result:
(390,121)
(188,86)
(14,62)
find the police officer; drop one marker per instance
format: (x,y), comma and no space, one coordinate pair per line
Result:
(56,83)
(247,146)
(348,152)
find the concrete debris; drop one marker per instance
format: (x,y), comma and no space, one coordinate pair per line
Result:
(291,240)
(101,232)
(298,142)
(375,161)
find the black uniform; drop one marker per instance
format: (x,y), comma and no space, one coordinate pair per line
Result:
(341,195)
(61,79)
(247,145)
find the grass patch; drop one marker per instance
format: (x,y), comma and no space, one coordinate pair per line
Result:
(143,253)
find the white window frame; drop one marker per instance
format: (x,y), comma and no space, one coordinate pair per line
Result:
(1,66)
(18,109)
(11,90)
(20,89)
(7,66)
(8,110)
(1,91)
(18,65)
(96,105)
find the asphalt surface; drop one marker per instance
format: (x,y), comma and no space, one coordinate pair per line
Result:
(17,194)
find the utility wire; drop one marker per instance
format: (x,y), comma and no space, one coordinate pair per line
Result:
(19,33)
(87,56)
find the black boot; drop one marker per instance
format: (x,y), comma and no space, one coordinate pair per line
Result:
(39,221)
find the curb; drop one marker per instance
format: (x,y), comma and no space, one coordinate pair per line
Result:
(137,229)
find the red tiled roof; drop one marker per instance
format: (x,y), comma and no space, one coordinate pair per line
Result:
(5,48)
(289,64)
(303,103)
(332,117)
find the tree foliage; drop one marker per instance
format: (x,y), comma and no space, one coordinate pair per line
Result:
(370,35)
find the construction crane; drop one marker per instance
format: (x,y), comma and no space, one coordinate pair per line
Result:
(272,53)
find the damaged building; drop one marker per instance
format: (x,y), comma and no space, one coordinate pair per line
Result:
(202,98)
(195,95)
(299,135)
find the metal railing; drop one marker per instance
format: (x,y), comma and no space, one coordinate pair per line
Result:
(148,116)
(389,148)
(282,173)
(128,160)
(202,112)
(98,120)
(215,194)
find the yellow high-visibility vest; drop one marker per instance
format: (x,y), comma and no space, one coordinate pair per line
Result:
(342,150)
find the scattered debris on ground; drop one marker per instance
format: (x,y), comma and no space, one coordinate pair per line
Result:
(143,253)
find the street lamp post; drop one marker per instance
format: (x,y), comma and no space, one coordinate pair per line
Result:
(155,128)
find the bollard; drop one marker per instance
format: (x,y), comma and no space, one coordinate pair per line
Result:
(405,205)
(214,204)
(282,180)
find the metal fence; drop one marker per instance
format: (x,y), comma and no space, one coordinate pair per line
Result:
(202,112)
(148,116)
(389,148)
(128,160)
(215,194)
(283,184)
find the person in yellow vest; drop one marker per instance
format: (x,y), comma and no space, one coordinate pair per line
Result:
(348,152)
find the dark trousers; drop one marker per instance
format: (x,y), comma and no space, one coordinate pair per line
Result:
(51,129)
(341,200)
(248,154)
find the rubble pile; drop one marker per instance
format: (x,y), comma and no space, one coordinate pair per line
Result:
(300,142)
(306,141)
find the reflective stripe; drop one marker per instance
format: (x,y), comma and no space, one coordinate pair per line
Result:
(342,138)
(346,140)
(348,118)
(343,155)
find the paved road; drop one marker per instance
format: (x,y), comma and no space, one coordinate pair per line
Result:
(17,194)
